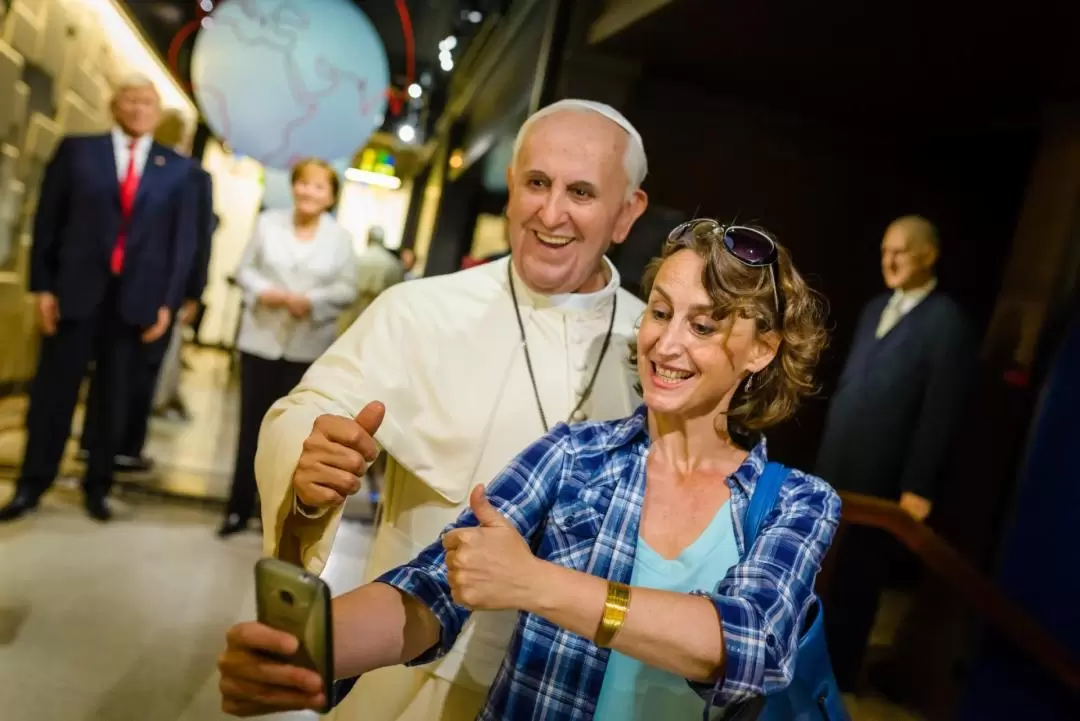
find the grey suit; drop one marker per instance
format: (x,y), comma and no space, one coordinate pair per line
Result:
(889,430)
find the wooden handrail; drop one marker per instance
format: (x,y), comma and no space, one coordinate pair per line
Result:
(967,582)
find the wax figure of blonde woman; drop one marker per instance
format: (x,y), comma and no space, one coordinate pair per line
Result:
(626,532)
(472,367)
(298,274)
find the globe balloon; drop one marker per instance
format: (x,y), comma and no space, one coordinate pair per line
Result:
(282,80)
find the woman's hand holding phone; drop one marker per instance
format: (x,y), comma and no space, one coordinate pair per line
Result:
(254,681)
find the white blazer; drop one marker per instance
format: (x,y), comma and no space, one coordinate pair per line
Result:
(323,269)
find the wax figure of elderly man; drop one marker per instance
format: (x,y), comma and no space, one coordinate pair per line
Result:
(468,369)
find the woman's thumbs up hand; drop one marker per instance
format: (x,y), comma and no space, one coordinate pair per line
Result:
(489,566)
(485,512)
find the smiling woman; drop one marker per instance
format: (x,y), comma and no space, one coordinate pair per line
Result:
(647,585)
(741,282)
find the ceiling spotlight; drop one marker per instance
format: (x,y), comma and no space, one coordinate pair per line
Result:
(207,5)
(207,22)
(415,91)
(407,133)
(448,43)
(446,64)
(475,16)
(171,14)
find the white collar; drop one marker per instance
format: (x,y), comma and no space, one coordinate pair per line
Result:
(916,295)
(567,301)
(121,139)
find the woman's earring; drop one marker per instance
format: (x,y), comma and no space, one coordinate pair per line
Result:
(749,383)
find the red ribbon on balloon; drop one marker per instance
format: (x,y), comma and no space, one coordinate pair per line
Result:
(396,97)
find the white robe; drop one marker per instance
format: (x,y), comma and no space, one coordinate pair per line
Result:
(444,355)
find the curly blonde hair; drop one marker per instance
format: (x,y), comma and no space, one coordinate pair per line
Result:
(775,392)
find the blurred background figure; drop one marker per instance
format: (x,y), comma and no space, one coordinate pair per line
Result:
(408,262)
(167,401)
(114,238)
(892,420)
(298,275)
(377,268)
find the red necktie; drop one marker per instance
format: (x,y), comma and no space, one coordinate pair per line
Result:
(128,186)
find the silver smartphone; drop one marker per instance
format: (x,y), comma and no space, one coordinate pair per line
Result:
(292,600)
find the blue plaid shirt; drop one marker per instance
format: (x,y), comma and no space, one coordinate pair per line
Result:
(577,493)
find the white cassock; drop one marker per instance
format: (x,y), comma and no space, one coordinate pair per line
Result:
(444,354)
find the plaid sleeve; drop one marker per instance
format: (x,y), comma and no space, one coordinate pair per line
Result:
(762,600)
(524,493)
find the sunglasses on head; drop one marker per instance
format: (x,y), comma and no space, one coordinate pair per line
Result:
(749,246)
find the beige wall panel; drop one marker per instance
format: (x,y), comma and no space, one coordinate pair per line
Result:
(76,116)
(11,197)
(20,101)
(22,30)
(41,137)
(34,8)
(53,45)
(87,86)
(11,67)
(18,335)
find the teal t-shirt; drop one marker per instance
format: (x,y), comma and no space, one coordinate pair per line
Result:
(633,691)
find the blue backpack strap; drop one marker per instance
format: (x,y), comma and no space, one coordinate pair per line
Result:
(762,502)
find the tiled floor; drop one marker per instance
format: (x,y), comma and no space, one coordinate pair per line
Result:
(124,621)
(194,458)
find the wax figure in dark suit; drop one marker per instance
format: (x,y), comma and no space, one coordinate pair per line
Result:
(133,438)
(891,421)
(114,241)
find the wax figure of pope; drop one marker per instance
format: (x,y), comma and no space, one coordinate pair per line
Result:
(453,375)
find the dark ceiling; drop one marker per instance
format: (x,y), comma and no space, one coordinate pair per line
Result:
(432,20)
(945,63)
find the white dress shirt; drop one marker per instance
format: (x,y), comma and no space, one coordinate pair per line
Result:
(323,269)
(902,303)
(120,150)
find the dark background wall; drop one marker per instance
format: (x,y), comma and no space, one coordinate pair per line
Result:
(825,163)
(828,191)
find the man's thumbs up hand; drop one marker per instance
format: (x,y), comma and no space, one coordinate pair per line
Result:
(490,566)
(371,417)
(485,512)
(335,457)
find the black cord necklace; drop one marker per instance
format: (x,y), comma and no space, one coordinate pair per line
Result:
(574,414)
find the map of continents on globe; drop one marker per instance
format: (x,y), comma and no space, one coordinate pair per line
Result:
(285,79)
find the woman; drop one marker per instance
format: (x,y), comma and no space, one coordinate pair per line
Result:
(622,541)
(298,274)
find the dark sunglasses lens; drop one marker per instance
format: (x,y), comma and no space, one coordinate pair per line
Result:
(749,246)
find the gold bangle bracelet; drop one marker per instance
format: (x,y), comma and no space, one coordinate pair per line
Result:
(615,610)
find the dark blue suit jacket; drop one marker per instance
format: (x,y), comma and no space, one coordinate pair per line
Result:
(900,399)
(205,227)
(78,219)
